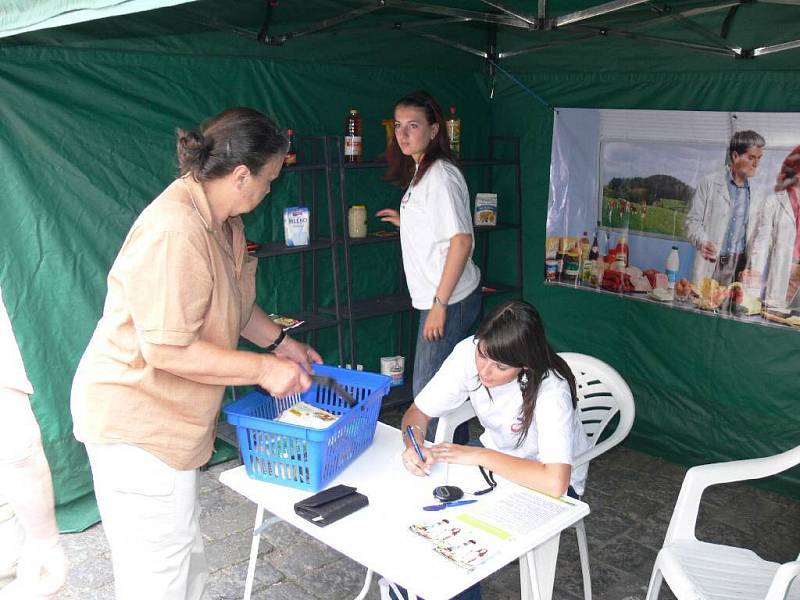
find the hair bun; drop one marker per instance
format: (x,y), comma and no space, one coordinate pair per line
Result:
(192,150)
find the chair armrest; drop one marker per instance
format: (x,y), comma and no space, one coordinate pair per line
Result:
(448,422)
(782,581)
(684,517)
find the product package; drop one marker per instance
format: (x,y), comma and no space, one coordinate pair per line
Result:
(485,209)
(307,415)
(296,225)
(393,366)
(285,323)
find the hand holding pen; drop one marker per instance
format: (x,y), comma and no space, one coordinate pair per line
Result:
(414,457)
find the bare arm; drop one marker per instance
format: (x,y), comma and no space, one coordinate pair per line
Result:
(205,362)
(456,260)
(550,478)
(26,484)
(262,331)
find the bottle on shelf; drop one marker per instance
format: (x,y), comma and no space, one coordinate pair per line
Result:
(672,266)
(453,124)
(621,250)
(357,221)
(388,129)
(352,137)
(594,249)
(602,241)
(291,153)
(590,260)
(585,246)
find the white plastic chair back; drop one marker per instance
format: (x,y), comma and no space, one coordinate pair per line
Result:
(602,394)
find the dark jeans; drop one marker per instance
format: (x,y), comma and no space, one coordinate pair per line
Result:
(473,593)
(429,356)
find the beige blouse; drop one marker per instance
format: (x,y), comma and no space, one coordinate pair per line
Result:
(179,277)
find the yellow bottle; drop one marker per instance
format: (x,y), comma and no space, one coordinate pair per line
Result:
(453,124)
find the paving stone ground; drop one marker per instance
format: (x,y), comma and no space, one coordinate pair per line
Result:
(631,496)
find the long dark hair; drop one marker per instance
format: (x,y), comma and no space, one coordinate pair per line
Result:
(401,167)
(513,334)
(237,136)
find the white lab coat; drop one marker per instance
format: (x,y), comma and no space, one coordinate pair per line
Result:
(708,217)
(774,240)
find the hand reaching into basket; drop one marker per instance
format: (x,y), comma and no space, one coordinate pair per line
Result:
(283,376)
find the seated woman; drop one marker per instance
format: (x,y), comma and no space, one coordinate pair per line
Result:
(524,396)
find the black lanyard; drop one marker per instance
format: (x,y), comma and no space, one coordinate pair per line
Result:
(489,478)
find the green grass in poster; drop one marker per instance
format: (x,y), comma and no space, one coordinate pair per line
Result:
(667,218)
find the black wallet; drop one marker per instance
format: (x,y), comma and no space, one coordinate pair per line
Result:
(327,506)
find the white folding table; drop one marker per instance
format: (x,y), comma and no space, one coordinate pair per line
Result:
(377,536)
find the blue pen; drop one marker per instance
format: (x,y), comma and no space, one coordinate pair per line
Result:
(444,505)
(410,433)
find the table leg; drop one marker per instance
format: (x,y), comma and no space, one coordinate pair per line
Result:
(365,588)
(537,570)
(251,566)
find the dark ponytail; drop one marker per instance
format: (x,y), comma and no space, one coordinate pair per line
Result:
(237,136)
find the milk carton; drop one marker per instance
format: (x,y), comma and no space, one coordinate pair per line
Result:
(485,209)
(296,229)
(393,366)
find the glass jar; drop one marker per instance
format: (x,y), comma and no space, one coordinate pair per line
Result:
(357,221)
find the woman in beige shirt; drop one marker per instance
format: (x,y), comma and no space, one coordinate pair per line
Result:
(148,390)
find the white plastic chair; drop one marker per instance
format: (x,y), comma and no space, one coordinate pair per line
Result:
(602,394)
(696,570)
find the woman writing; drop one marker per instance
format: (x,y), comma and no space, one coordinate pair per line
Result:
(435,231)
(524,396)
(148,390)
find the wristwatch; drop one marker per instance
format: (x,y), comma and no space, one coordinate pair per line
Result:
(437,301)
(277,341)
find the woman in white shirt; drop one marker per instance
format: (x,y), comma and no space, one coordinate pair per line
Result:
(524,396)
(435,231)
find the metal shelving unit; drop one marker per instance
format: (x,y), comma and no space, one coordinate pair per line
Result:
(315,159)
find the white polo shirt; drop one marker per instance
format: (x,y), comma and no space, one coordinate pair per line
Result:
(431,213)
(555,435)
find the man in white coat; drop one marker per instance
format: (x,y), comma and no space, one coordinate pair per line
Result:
(724,213)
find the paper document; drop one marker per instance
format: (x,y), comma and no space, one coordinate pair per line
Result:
(516,513)
(472,536)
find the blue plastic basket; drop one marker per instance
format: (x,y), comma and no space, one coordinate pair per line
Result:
(303,457)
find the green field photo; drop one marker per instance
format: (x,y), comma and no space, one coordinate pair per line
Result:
(668,219)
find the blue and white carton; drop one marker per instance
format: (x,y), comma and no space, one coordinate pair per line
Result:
(296,221)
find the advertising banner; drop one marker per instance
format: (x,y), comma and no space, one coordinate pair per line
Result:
(695,210)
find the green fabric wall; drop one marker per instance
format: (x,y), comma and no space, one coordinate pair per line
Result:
(706,389)
(87,140)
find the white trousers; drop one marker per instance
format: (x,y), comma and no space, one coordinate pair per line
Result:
(150,514)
